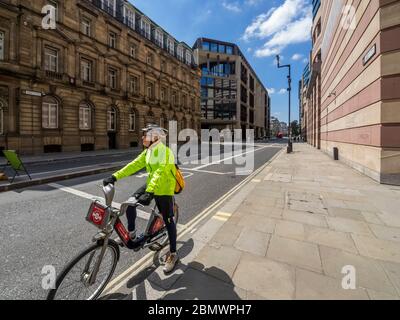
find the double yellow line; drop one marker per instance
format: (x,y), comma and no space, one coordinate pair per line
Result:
(147,260)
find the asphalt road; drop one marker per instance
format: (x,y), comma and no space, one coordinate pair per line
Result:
(46,225)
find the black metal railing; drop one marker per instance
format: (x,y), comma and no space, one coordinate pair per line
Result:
(136,26)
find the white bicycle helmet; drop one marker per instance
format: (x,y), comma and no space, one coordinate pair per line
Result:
(155,131)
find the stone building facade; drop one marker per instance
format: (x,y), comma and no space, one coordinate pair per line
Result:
(93,82)
(350,94)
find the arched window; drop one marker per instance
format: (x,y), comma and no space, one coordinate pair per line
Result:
(1,118)
(132,120)
(50,113)
(85,116)
(112,119)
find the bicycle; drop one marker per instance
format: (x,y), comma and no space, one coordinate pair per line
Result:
(93,272)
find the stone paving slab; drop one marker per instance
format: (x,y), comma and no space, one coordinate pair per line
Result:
(377,248)
(296,253)
(269,279)
(314,286)
(369,272)
(290,233)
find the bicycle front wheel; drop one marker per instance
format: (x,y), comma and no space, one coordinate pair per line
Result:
(72,283)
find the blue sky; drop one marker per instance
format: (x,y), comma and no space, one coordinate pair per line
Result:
(261,28)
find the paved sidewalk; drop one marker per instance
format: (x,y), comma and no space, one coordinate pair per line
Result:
(50,168)
(52,157)
(287,234)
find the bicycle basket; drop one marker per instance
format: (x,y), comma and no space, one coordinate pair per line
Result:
(98,215)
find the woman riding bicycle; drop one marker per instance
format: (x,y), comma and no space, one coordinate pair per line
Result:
(159,162)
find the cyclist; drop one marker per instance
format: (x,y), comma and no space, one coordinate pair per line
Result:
(159,162)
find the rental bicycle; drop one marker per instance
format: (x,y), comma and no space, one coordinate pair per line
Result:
(88,274)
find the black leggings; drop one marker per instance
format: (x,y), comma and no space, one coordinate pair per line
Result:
(165,205)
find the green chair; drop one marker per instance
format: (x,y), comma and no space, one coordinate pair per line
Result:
(15,163)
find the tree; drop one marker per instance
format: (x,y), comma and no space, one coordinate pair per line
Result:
(295,127)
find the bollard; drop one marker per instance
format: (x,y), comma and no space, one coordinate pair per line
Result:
(335,153)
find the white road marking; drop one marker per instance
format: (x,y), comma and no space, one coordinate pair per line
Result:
(229,158)
(190,227)
(212,172)
(141,214)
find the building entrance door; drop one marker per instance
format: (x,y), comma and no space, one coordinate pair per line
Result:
(112,140)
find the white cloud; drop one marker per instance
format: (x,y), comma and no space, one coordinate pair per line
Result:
(252,2)
(232,6)
(285,25)
(271,90)
(282,91)
(297,57)
(305,60)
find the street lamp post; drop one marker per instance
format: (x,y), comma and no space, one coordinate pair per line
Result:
(290,144)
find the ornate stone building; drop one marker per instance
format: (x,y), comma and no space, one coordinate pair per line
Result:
(93,82)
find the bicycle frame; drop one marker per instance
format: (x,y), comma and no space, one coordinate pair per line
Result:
(115,224)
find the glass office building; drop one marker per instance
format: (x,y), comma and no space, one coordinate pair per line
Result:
(232,96)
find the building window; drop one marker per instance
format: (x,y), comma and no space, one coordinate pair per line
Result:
(163,66)
(171,46)
(86,26)
(55,5)
(150,90)
(174,98)
(188,57)
(132,121)
(184,101)
(229,50)
(179,52)
(150,59)
(51,59)
(1,118)
(134,85)
(50,113)
(160,38)
(214,47)
(2,44)
(163,122)
(109,6)
(112,40)
(130,18)
(133,51)
(86,70)
(192,104)
(206,46)
(146,28)
(112,119)
(85,117)
(174,72)
(163,94)
(112,78)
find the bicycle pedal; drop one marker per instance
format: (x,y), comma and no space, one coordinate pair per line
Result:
(156,247)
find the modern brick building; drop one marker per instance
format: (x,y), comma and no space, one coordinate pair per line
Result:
(232,96)
(351,89)
(92,83)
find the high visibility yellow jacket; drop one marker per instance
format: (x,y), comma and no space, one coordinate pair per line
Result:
(159,162)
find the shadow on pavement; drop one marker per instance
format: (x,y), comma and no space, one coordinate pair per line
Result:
(188,282)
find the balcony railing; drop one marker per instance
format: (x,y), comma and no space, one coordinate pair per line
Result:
(118,15)
(54,75)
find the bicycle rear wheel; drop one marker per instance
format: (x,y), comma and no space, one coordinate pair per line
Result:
(71,284)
